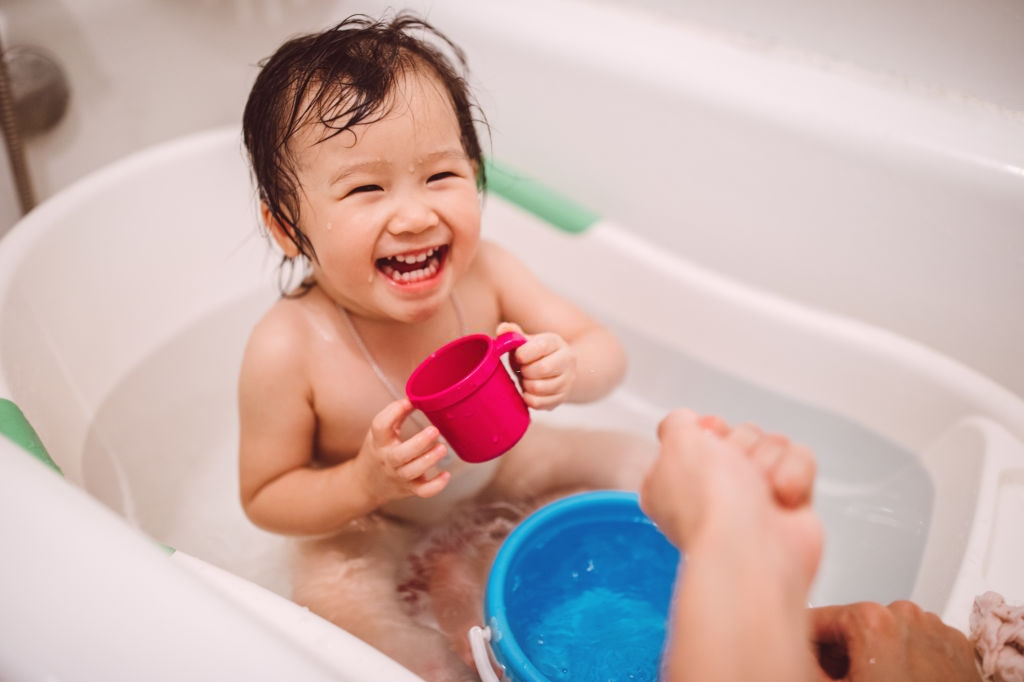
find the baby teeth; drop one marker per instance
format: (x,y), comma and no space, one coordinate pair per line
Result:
(402,258)
(413,276)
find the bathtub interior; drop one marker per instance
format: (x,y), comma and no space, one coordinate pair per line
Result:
(126,366)
(788,171)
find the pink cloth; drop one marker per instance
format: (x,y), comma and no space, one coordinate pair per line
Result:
(997,632)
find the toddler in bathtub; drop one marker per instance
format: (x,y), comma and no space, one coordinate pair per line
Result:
(369,169)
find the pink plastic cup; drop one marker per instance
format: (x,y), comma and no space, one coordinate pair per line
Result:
(466,393)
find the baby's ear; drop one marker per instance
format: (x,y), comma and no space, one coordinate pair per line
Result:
(283,234)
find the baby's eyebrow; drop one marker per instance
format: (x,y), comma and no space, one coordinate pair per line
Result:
(359,167)
(380,165)
(455,153)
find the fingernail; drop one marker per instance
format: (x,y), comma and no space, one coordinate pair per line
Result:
(788,480)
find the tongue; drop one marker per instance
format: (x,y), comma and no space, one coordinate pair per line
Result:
(405,267)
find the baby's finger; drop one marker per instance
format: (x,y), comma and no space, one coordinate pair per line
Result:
(542,402)
(431,487)
(545,387)
(547,367)
(423,439)
(505,327)
(537,347)
(420,465)
(387,422)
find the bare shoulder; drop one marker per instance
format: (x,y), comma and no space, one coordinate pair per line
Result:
(279,342)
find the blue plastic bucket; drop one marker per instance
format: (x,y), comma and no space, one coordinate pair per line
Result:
(580,590)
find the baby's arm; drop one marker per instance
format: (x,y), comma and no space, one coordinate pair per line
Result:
(569,356)
(281,490)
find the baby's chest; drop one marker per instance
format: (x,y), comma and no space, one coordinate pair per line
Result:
(345,404)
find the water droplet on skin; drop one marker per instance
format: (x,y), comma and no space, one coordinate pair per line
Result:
(329,226)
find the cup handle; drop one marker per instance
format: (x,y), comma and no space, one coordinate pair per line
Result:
(508,341)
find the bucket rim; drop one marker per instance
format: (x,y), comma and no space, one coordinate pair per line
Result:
(495,612)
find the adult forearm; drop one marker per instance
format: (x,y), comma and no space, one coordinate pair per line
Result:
(738,615)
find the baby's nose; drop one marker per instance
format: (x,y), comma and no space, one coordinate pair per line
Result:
(412,215)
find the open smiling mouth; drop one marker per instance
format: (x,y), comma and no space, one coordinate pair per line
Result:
(414,266)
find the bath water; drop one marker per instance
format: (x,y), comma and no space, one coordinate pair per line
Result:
(591,602)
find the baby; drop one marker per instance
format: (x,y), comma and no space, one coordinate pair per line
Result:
(363,145)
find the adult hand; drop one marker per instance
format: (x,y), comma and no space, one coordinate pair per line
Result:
(868,642)
(706,469)
(752,548)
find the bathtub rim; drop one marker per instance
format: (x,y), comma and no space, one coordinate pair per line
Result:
(581,220)
(21,240)
(268,635)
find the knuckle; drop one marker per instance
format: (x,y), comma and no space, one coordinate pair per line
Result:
(804,455)
(903,607)
(867,614)
(749,428)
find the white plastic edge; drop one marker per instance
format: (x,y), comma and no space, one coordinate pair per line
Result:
(1002,455)
(83,591)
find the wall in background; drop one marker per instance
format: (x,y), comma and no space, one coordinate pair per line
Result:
(145,71)
(967,48)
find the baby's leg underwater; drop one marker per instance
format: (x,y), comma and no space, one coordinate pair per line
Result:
(448,568)
(550,459)
(351,580)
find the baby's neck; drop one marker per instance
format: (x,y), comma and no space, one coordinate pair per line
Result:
(400,346)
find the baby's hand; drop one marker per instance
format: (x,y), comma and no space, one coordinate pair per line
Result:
(546,365)
(395,469)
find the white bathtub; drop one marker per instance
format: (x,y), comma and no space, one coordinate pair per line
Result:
(125,301)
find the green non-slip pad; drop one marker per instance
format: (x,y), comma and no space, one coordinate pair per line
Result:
(15,426)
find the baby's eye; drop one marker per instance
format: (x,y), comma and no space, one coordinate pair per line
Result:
(441,176)
(364,188)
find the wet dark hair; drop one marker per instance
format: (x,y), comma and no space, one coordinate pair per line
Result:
(341,78)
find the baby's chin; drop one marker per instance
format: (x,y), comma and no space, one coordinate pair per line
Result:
(415,307)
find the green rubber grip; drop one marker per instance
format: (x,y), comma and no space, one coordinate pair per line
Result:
(542,201)
(15,426)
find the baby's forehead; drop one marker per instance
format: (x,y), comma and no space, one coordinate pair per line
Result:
(338,113)
(339,105)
